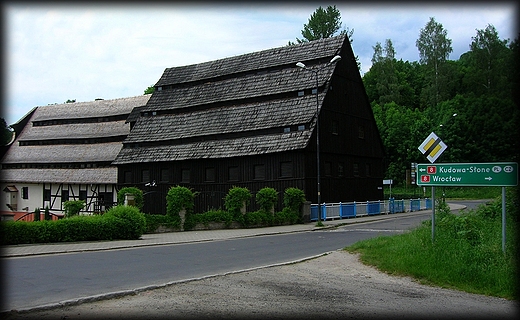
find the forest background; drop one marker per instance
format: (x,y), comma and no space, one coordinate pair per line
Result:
(470,103)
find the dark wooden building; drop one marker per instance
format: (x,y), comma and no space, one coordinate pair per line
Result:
(250,121)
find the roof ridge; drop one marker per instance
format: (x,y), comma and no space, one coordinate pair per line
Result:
(267,58)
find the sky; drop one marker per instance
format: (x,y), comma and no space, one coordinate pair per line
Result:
(54,52)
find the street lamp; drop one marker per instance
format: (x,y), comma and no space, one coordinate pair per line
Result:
(316,72)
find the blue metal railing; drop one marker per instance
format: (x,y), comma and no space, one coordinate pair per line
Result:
(357,209)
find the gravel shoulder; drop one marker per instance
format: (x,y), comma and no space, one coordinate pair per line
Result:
(333,286)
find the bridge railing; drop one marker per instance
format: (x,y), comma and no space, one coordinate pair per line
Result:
(345,210)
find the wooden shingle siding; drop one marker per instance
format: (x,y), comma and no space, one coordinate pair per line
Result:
(235,118)
(282,56)
(216,148)
(72,176)
(98,108)
(76,131)
(62,153)
(289,79)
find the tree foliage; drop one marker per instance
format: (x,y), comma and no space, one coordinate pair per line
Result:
(323,23)
(149,90)
(7,133)
(434,49)
(412,99)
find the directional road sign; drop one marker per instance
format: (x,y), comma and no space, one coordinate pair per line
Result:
(432,147)
(502,174)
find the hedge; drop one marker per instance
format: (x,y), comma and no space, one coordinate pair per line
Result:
(121,223)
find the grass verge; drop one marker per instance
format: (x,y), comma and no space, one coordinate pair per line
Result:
(466,253)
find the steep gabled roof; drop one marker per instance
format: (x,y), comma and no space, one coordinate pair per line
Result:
(225,119)
(55,137)
(234,106)
(90,109)
(253,62)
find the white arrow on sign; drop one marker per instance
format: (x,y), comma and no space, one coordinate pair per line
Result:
(489,178)
(422,169)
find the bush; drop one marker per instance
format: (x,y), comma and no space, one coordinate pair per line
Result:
(235,200)
(132,224)
(138,196)
(121,222)
(266,198)
(287,216)
(179,198)
(258,218)
(293,199)
(153,221)
(73,207)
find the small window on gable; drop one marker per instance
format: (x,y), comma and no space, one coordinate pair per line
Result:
(64,195)
(300,93)
(301,127)
(185,175)
(233,173)
(328,168)
(209,175)
(355,169)
(82,194)
(145,176)
(286,169)
(128,177)
(334,128)
(47,195)
(361,132)
(314,91)
(165,174)
(259,172)
(286,130)
(25,192)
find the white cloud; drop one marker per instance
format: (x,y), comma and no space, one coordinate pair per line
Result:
(55,53)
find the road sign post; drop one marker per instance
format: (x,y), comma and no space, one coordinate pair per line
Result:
(503,174)
(432,147)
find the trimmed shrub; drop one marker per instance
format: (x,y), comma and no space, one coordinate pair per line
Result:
(73,207)
(138,196)
(153,221)
(293,199)
(266,198)
(179,198)
(235,200)
(131,224)
(258,218)
(287,216)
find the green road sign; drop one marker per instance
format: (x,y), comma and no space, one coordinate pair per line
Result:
(502,174)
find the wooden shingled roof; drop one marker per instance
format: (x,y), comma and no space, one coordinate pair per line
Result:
(71,133)
(233,106)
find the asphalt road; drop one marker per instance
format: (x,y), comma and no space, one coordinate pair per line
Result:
(40,280)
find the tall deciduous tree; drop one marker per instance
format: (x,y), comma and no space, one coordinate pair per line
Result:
(384,84)
(434,49)
(489,62)
(325,23)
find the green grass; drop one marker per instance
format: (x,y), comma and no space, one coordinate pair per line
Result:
(466,253)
